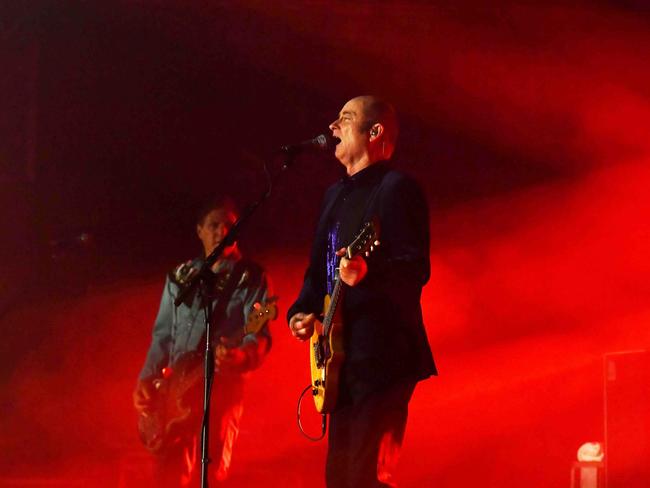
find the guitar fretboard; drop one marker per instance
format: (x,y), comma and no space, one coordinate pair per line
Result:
(334,301)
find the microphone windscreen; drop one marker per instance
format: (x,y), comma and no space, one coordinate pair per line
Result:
(326,141)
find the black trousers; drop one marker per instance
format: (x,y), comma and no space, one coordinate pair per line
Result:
(365,439)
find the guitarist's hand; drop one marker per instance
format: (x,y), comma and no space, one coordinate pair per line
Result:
(230,359)
(352,271)
(302,325)
(143,396)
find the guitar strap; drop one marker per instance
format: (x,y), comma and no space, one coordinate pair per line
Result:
(224,294)
(362,217)
(220,288)
(370,201)
(356,217)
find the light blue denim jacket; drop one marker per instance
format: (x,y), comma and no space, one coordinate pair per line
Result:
(179,330)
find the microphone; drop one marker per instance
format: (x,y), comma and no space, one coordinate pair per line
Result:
(323,142)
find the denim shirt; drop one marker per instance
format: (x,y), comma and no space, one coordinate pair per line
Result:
(180,330)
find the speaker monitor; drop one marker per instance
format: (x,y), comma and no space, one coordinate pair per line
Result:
(627,419)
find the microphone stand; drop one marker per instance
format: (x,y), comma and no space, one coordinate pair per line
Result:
(202,281)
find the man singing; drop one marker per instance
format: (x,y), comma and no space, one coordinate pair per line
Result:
(384,340)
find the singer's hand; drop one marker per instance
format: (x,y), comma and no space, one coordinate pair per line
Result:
(352,271)
(302,325)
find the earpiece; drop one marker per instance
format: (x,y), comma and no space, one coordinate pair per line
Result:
(373,132)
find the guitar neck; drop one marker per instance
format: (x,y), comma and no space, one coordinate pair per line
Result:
(256,320)
(339,287)
(337,295)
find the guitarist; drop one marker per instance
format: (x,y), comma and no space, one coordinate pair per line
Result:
(384,341)
(178,333)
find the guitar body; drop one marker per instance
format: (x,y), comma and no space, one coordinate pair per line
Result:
(326,357)
(163,426)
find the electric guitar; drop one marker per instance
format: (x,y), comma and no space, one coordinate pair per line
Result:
(326,353)
(160,427)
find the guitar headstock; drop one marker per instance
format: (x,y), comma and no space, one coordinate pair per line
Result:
(261,314)
(365,241)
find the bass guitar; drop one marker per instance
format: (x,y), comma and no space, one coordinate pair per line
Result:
(161,426)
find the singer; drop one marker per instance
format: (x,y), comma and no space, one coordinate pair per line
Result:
(384,340)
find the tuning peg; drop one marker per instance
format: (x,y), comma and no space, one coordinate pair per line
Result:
(367,254)
(377,243)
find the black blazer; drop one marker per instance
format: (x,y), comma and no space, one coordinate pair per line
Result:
(384,336)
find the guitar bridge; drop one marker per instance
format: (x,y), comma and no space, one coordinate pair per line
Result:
(321,351)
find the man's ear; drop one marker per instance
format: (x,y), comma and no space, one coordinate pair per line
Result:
(376,131)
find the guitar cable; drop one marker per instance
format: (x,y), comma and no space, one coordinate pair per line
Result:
(323,420)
